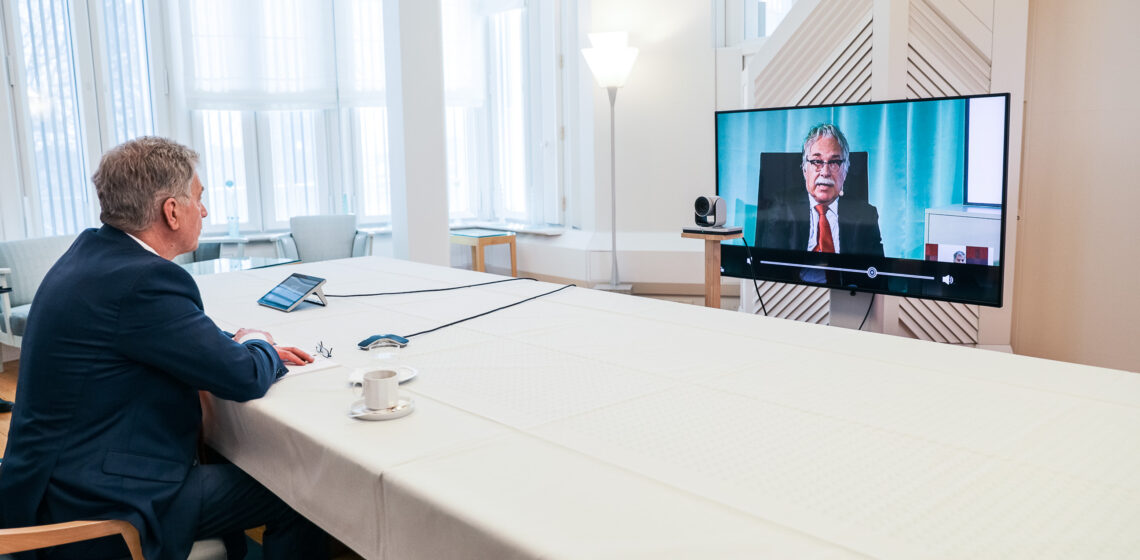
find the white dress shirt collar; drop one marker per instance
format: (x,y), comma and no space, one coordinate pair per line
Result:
(143,243)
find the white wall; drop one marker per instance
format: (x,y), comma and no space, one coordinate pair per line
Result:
(1078,266)
(664,144)
(665,129)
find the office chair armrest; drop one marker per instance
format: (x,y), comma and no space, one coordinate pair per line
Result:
(361,244)
(5,308)
(43,536)
(286,246)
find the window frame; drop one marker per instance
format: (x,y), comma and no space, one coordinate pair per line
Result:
(544,114)
(87,34)
(547,172)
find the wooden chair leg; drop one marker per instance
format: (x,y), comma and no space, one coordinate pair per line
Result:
(43,536)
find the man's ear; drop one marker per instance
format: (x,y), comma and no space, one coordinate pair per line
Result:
(170,212)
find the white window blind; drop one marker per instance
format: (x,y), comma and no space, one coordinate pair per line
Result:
(499,76)
(53,125)
(364,107)
(302,82)
(128,69)
(51,61)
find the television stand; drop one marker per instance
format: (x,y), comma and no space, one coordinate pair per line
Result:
(849,308)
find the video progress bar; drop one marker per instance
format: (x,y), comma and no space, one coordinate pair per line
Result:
(871,272)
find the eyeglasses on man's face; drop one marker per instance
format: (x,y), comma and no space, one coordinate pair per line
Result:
(832,165)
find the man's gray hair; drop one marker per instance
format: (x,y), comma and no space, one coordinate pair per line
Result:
(824,130)
(136,177)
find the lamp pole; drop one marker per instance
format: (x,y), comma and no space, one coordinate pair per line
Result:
(613,193)
(610,59)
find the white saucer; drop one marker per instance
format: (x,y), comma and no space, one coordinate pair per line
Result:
(402,409)
(403,373)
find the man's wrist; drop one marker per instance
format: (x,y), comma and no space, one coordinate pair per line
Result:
(253,336)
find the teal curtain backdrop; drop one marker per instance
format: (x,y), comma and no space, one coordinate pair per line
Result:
(915,160)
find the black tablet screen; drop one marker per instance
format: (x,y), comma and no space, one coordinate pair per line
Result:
(286,295)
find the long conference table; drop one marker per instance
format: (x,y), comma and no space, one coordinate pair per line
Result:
(589,425)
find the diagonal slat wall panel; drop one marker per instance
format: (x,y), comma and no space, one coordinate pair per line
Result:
(943,61)
(940,59)
(839,82)
(811,70)
(939,321)
(828,60)
(814,55)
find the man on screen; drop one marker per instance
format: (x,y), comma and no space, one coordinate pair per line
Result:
(819,222)
(116,350)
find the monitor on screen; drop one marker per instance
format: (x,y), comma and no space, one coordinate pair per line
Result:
(915,205)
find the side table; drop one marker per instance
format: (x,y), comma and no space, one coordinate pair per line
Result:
(712,262)
(479,238)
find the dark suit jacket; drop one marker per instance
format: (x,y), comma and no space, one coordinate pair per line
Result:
(786,225)
(115,351)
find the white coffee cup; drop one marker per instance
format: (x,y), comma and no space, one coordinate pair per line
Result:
(381,389)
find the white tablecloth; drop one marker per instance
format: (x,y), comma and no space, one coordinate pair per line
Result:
(594,425)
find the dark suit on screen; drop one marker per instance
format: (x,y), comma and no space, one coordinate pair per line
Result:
(783,211)
(116,349)
(787,225)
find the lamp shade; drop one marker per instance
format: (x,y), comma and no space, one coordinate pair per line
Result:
(610,58)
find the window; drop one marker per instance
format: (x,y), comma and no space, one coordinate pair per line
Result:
(499,72)
(61,126)
(287,105)
(285,100)
(751,19)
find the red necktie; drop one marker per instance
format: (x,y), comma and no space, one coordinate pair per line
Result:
(825,243)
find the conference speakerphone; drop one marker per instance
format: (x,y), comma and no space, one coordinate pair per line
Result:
(293,290)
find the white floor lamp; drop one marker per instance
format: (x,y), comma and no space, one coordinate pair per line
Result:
(610,58)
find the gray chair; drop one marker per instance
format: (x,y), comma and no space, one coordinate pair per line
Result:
(204,252)
(23,265)
(322,238)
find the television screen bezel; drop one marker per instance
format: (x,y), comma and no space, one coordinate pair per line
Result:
(732,253)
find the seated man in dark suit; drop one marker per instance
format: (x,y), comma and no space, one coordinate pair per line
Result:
(116,350)
(820,222)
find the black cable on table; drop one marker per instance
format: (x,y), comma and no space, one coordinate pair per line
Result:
(490,312)
(433,289)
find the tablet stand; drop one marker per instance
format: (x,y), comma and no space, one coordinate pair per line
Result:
(320,293)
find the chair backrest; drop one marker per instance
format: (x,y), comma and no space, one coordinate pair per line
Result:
(782,177)
(204,252)
(322,238)
(30,260)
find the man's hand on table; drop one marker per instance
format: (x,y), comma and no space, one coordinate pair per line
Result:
(288,354)
(293,355)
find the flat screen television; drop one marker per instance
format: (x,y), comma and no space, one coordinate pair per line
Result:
(915,205)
